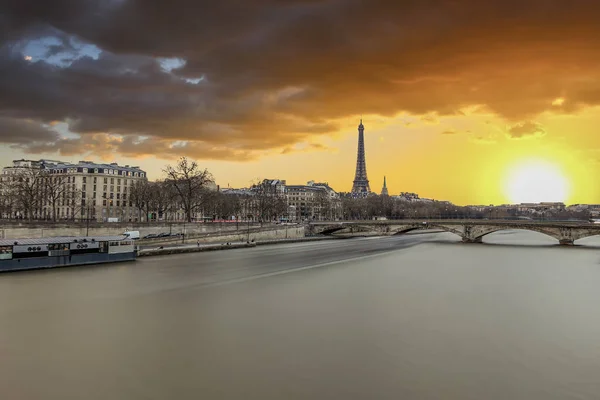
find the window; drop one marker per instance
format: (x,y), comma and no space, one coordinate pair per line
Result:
(95,179)
(105,188)
(5,252)
(94,187)
(55,247)
(118,188)
(84,178)
(112,188)
(118,195)
(85,171)
(119,181)
(112,181)
(104,202)
(95,171)
(118,203)
(83,195)
(94,196)
(105,180)
(83,187)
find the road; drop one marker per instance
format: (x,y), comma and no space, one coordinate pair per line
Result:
(412,317)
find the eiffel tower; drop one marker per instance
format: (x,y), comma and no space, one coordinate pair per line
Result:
(360,186)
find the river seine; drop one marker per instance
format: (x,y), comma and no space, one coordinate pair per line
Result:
(411,317)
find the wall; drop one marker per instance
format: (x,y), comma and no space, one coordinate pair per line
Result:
(292,232)
(23,231)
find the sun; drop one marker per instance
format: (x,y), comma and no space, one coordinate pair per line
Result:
(535,182)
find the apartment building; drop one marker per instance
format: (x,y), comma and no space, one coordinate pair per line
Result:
(313,201)
(81,191)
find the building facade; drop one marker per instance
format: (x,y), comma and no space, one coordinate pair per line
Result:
(313,202)
(57,190)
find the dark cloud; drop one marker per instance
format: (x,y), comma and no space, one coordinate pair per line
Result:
(106,146)
(23,131)
(266,74)
(525,130)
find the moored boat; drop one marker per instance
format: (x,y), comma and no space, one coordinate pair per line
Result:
(23,254)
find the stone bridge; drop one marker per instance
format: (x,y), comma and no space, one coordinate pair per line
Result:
(471,231)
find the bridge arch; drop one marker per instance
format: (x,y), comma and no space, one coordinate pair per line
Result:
(585,235)
(414,227)
(478,234)
(331,230)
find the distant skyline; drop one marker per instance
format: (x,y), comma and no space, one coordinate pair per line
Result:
(473,102)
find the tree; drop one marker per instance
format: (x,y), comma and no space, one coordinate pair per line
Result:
(139,195)
(190,183)
(161,198)
(269,201)
(323,202)
(55,188)
(28,192)
(7,196)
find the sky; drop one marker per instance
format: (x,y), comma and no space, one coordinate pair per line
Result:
(476,102)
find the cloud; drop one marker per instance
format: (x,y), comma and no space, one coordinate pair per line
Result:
(105,146)
(266,74)
(305,148)
(453,131)
(430,119)
(526,129)
(22,131)
(482,140)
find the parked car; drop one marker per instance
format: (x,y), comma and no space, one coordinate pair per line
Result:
(132,234)
(151,236)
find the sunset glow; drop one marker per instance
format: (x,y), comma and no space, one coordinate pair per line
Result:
(452,94)
(537,181)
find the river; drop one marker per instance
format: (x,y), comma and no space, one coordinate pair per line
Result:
(412,317)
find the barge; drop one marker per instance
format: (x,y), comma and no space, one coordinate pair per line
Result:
(52,252)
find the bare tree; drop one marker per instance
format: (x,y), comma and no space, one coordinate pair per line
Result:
(55,188)
(160,198)
(7,196)
(140,196)
(28,191)
(323,202)
(269,201)
(190,183)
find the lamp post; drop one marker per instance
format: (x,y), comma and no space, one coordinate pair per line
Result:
(87,221)
(248,238)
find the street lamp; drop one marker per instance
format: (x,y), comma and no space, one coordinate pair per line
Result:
(248,239)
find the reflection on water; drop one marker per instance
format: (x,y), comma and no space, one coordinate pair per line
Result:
(441,320)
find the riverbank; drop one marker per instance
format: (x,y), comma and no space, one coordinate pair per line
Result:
(193,248)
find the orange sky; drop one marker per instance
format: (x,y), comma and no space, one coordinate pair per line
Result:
(468,101)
